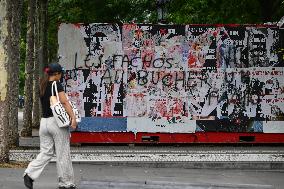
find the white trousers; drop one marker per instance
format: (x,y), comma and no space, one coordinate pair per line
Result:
(53,140)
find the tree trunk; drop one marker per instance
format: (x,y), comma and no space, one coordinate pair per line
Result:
(4,41)
(43,35)
(27,127)
(13,68)
(36,105)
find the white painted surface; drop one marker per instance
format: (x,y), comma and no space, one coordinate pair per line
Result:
(71,42)
(273,127)
(144,124)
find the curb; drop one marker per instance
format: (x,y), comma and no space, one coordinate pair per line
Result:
(179,159)
(166,185)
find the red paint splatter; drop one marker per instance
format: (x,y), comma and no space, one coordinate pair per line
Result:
(77,25)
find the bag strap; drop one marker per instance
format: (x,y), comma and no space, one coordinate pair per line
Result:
(56,91)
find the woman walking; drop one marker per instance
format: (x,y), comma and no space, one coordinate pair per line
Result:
(53,139)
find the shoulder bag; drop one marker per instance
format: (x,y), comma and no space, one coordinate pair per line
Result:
(61,116)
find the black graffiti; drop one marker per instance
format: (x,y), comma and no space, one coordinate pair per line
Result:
(124,61)
(113,76)
(89,64)
(168,79)
(176,79)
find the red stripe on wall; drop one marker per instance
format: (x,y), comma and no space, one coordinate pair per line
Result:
(174,138)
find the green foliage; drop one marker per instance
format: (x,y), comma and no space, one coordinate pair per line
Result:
(224,11)
(22,67)
(23,48)
(109,11)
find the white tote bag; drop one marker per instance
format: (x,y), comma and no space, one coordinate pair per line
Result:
(59,112)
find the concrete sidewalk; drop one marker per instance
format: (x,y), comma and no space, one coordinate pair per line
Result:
(90,176)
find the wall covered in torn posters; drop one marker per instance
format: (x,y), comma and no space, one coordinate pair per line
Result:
(174,78)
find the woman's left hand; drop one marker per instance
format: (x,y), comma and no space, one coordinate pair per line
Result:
(73,123)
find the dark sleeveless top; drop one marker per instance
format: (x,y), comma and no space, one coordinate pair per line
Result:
(45,103)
